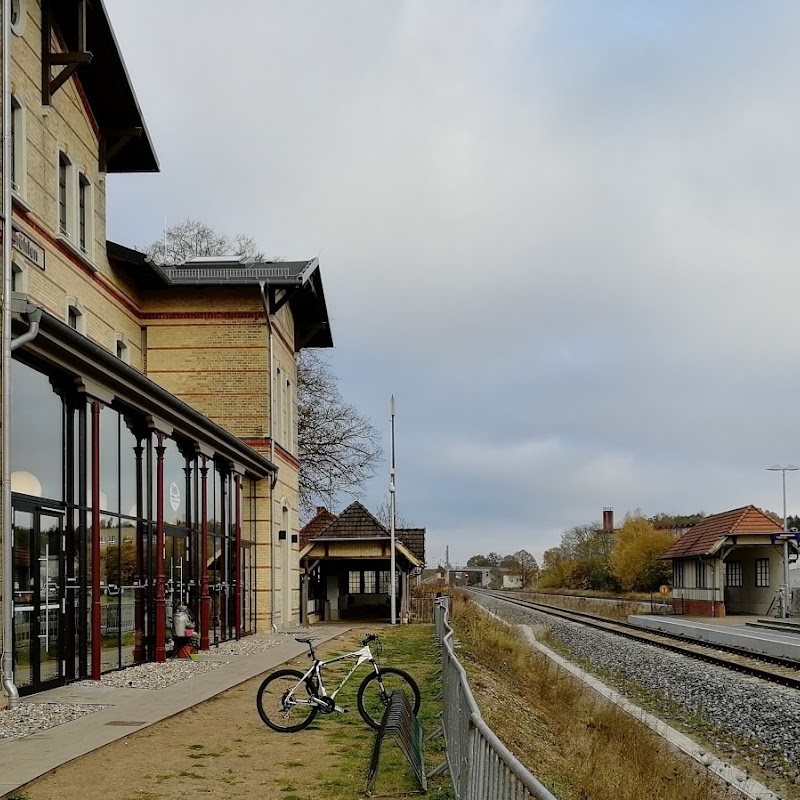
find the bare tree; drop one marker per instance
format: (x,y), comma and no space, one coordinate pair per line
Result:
(524,565)
(192,238)
(384,515)
(339,447)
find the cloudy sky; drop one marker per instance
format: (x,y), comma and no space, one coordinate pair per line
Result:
(563,234)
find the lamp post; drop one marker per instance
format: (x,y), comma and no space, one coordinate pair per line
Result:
(392,509)
(783,470)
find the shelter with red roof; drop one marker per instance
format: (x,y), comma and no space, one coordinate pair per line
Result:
(731,563)
(345,564)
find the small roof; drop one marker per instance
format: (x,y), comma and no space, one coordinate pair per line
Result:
(708,535)
(356,522)
(107,85)
(322,519)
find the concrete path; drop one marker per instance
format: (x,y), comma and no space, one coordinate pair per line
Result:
(26,758)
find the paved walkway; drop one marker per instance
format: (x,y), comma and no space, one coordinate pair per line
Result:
(28,757)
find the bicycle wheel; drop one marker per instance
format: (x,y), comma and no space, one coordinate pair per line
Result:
(376,690)
(277,709)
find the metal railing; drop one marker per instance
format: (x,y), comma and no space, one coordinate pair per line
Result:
(481,766)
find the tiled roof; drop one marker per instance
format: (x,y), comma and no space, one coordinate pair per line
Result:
(703,537)
(356,522)
(316,526)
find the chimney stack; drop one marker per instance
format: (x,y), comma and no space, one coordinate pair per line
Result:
(608,520)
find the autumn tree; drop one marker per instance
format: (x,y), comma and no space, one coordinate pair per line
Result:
(635,558)
(339,448)
(478,561)
(523,564)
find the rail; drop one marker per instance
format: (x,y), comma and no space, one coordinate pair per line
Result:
(481,766)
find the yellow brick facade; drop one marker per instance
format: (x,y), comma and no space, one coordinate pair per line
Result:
(209,347)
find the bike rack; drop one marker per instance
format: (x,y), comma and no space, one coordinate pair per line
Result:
(399,721)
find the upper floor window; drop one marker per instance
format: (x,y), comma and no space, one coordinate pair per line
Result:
(18,13)
(76,318)
(18,147)
(64,210)
(18,278)
(84,214)
(123,353)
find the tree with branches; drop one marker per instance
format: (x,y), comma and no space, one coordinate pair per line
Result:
(339,447)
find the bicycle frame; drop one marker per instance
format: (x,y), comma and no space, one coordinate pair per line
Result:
(361,655)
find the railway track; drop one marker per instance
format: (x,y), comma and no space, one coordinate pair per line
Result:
(775,669)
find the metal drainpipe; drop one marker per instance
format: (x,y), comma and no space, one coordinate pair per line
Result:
(34,318)
(273,479)
(5,373)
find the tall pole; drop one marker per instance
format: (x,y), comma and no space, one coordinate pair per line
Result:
(392,514)
(786,577)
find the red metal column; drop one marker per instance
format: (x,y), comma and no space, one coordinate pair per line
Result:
(161,606)
(97,642)
(141,579)
(237,559)
(205,599)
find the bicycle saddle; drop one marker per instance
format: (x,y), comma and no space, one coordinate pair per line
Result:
(306,639)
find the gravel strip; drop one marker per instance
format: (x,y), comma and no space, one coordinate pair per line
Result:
(763,715)
(154,676)
(31,718)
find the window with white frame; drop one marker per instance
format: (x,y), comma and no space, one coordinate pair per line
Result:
(369,581)
(18,158)
(677,574)
(276,423)
(66,209)
(122,351)
(734,573)
(18,15)
(354,582)
(285,414)
(76,316)
(85,215)
(19,278)
(699,574)
(762,572)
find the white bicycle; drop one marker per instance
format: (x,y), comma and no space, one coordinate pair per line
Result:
(288,700)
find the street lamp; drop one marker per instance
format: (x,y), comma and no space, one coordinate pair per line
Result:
(783,470)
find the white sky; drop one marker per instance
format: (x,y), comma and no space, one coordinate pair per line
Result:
(563,234)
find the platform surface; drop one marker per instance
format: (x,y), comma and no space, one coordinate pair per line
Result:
(731,630)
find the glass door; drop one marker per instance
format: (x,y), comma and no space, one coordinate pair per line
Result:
(38,596)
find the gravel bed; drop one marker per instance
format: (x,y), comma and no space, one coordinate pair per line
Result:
(31,718)
(249,645)
(757,720)
(154,676)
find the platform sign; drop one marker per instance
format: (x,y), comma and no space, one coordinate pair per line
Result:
(663,589)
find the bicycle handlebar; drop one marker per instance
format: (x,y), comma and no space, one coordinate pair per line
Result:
(370,637)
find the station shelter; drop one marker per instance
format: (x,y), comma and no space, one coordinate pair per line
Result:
(735,562)
(345,566)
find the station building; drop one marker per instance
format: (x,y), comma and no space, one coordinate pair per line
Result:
(731,563)
(153,420)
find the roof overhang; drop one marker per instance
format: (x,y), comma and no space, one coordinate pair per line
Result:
(329,540)
(749,539)
(108,88)
(298,283)
(63,347)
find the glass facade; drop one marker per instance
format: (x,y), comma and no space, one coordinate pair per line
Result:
(60,554)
